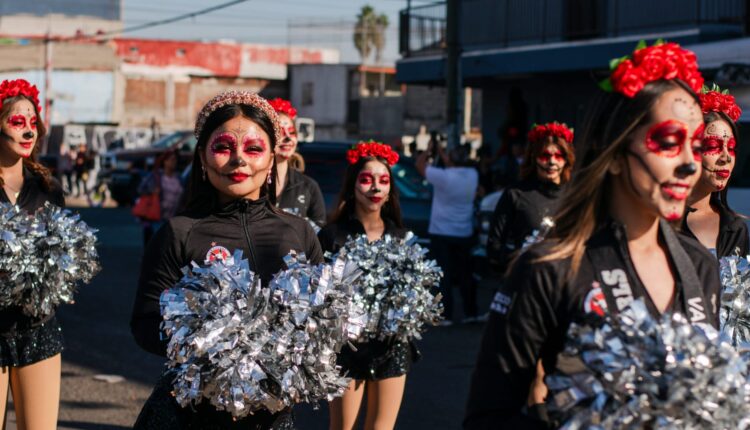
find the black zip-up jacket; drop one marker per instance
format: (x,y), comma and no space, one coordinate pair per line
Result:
(302,197)
(264,236)
(32,196)
(532,312)
(518,213)
(335,235)
(733,233)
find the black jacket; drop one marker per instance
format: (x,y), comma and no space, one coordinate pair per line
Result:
(733,233)
(263,235)
(532,312)
(32,196)
(333,236)
(518,213)
(301,196)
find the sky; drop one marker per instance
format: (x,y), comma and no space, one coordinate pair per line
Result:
(314,23)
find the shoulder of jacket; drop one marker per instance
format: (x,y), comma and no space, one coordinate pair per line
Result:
(695,250)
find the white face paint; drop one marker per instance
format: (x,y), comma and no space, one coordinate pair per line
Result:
(19,132)
(717,155)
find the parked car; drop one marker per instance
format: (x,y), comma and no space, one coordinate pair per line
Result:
(326,163)
(123,169)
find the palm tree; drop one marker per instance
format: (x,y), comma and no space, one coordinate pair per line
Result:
(369,36)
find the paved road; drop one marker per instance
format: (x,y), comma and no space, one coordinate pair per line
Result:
(98,342)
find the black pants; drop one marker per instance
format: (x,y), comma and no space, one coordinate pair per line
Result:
(453,254)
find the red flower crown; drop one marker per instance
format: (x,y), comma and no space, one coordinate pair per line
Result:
(554,129)
(716,100)
(283,106)
(372,149)
(650,63)
(13,88)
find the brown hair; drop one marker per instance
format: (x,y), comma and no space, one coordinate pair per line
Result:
(201,195)
(608,125)
(31,162)
(534,149)
(391,210)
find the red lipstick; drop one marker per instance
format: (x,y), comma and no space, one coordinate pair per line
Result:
(676,191)
(238,177)
(376,199)
(722,173)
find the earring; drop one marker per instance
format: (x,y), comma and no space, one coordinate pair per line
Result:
(268,179)
(204,173)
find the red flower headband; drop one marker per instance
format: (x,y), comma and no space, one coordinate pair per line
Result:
(716,100)
(283,106)
(651,63)
(19,87)
(554,129)
(372,149)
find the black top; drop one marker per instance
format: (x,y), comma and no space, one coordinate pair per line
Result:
(533,310)
(335,235)
(301,196)
(33,195)
(733,233)
(264,236)
(518,213)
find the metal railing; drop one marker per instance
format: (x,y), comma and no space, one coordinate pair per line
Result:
(502,23)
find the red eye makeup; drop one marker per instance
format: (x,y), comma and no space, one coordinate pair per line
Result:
(253,146)
(365,179)
(666,138)
(17,121)
(223,144)
(546,156)
(714,145)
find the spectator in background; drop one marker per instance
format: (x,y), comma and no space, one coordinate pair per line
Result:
(164,180)
(451,223)
(65,167)
(81,168)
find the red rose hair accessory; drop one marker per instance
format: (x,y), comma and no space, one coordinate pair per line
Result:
(235,97)
(555,129)
(283,106)
(19,87)
(650,63)
(372,149)
(716,100)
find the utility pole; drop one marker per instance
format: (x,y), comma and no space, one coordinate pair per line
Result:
(47,87)
(453,79)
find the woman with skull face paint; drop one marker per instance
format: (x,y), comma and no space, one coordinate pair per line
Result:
(29,348)
(230,206)
(368,205)
(709,218)
(546,168)
(639,155)
(296,192)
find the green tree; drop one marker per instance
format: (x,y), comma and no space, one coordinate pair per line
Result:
(369,37)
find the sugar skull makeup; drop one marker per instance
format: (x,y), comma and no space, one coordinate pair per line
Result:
(19,130)
(661,158)
(238,158)
(550,163)
(288,145)
(717,155)
(373,186)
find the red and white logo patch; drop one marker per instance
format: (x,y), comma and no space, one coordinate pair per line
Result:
(595,301)
(216,253)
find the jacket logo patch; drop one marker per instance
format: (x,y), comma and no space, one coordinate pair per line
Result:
(216,253)
(695,307)
(500,303)
(301,198)
(617,279)
(595,302)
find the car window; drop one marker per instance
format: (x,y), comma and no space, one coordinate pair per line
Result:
(410,183)
(169,140)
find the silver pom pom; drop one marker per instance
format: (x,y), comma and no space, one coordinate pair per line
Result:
(638,372)
(734,312)
(245,347)
(43,258)
(394,288)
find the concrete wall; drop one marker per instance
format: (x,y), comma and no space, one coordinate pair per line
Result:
(381,118)
(426,105)
(320,92)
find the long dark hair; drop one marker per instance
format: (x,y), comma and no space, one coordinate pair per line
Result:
(390,211)
(534,149)
(201,195)
(719,198)
(606,133)
(31,162)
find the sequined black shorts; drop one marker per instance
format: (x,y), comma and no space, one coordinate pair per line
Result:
(162,412)
(30,345)
(376,360)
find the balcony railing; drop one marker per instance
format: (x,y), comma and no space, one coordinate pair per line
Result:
(504,23)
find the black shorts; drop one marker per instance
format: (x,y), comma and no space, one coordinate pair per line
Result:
(376,359)
(30,345)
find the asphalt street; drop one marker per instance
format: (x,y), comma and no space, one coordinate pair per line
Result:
(107,377)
